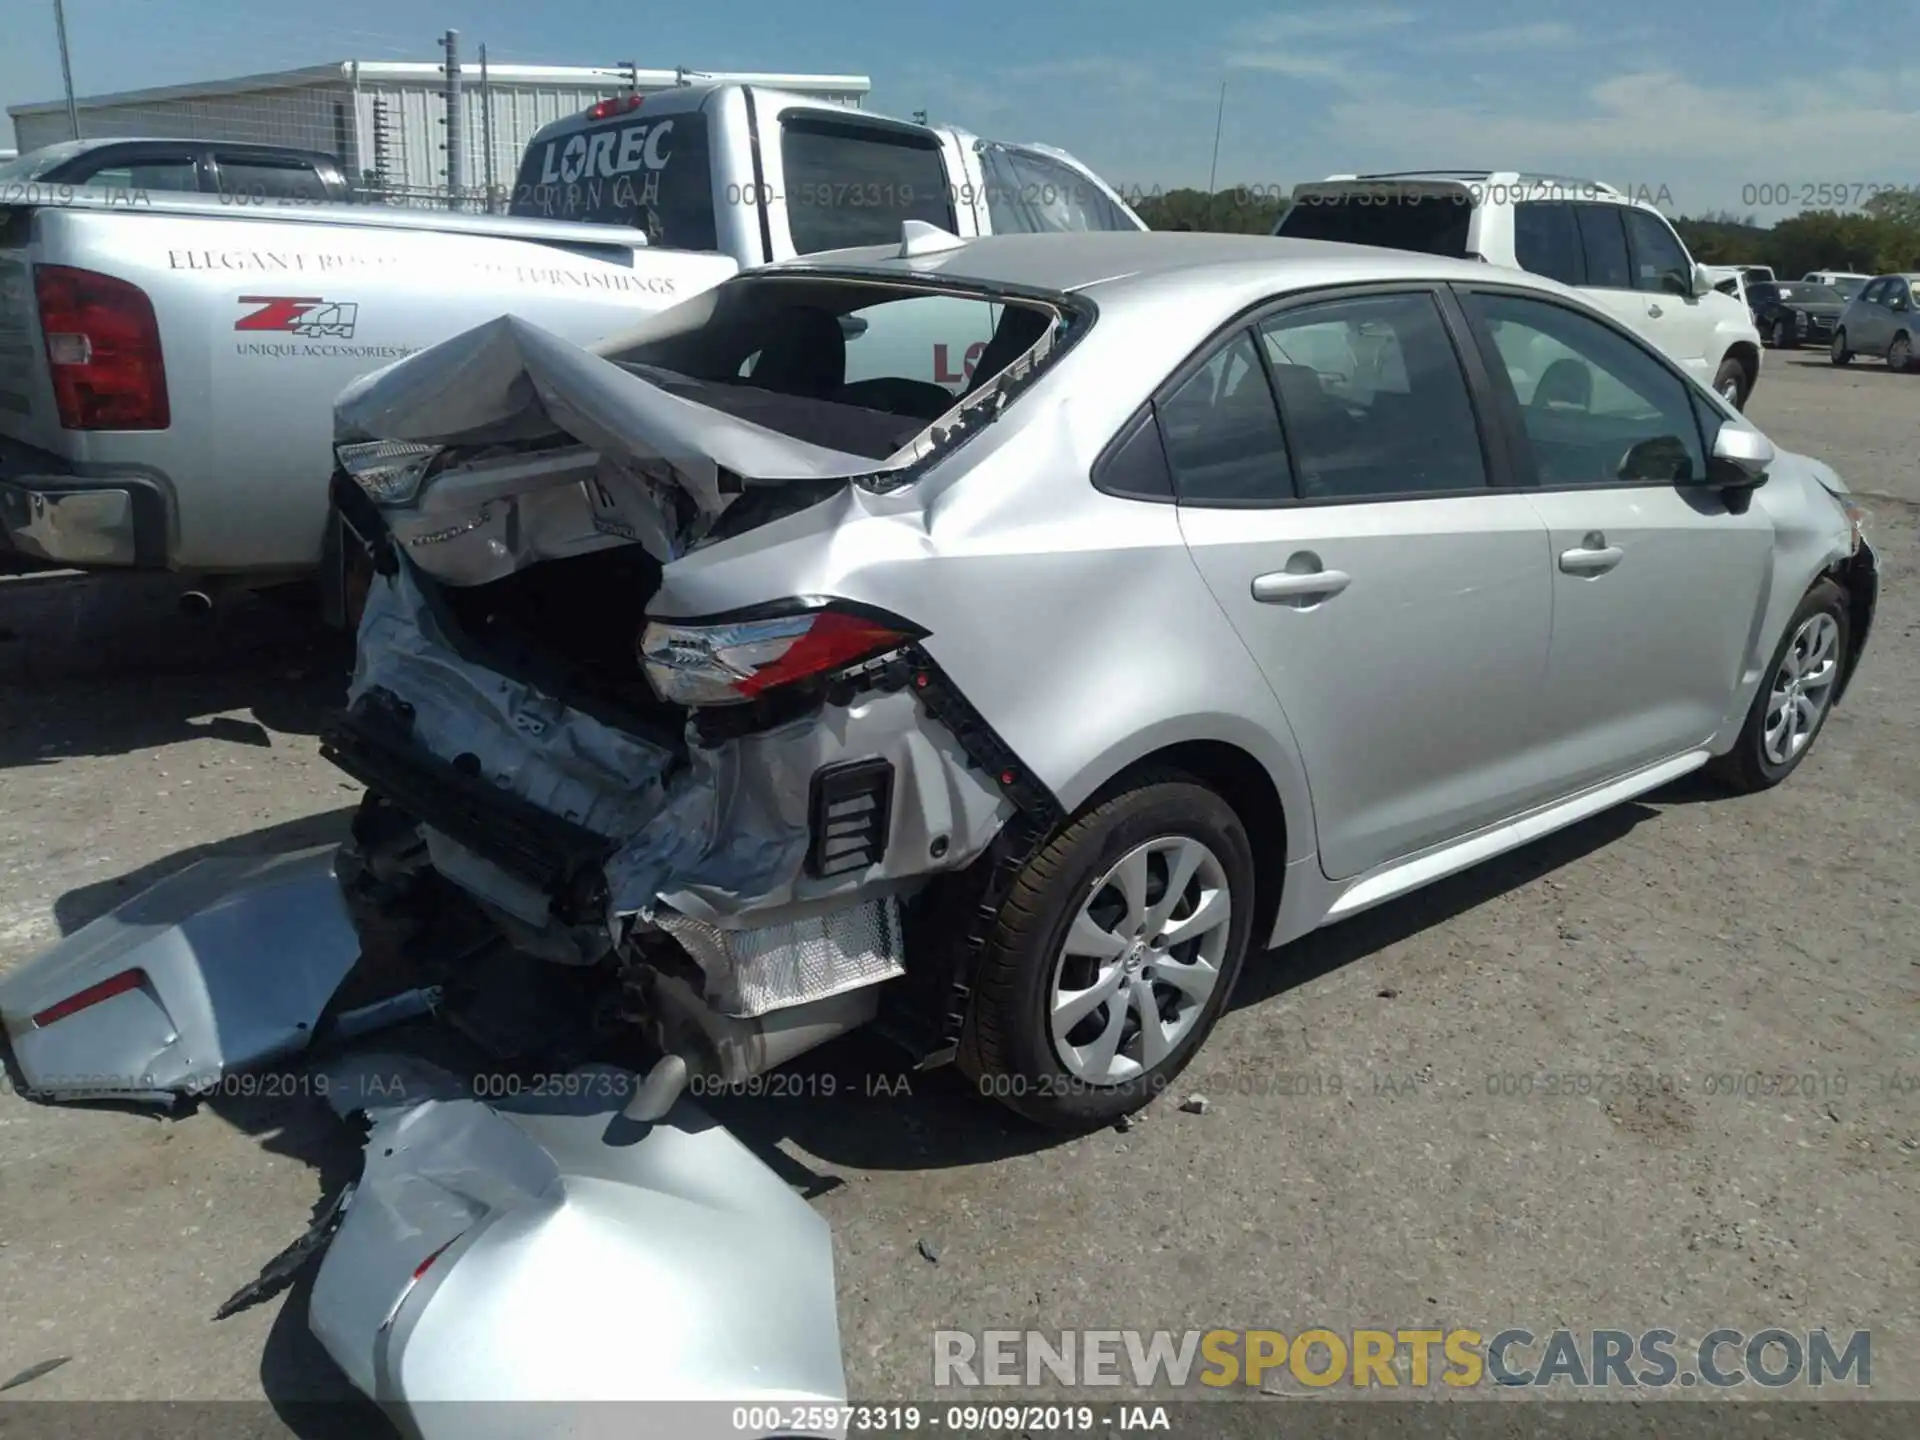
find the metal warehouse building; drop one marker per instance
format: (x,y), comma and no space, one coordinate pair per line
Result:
(385,119)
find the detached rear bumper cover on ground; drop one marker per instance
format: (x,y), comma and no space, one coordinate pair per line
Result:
(227,964)
(576,1257)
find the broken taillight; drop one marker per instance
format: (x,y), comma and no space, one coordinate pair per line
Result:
(729,662)
(103,350)
(93,995)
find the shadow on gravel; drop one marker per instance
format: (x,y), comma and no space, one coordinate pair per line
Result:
(89,902)
(109,666)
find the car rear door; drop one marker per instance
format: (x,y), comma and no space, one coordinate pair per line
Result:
(1361,538)
(1656,583)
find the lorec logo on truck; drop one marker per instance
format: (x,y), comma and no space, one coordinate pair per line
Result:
(606,154)
(308,316)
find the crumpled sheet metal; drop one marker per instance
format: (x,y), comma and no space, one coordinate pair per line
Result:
(723,838)
(565,762)
(510,379)
(238,957)
(581,1258)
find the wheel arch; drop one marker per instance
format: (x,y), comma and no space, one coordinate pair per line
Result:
(1249,788)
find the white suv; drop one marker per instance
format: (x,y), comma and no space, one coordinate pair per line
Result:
(1618,251)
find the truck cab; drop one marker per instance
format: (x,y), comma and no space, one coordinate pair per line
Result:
(768,175)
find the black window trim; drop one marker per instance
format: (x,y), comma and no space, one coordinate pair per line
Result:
(135,153)
(1495,459)
(1508,400)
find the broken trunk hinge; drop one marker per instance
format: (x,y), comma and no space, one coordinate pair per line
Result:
(931,1018)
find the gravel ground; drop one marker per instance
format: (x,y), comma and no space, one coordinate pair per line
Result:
(1365,1157)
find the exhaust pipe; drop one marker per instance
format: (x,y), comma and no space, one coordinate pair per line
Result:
(196,603)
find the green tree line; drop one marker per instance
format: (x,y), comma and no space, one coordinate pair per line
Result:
(1883,235)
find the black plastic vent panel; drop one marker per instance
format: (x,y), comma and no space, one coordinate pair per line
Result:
(851,811)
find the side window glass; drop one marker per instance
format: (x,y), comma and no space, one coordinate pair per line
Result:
(1029,193)
(1871,295)
(1546,240)
(1222,433)
(1597,408)
(170,175)
(1373,399)
(1605,244)
(1659,260)
(247,179)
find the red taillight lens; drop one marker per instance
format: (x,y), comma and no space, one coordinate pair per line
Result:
(115,985)
(728,663)
(618,105)
(103,345)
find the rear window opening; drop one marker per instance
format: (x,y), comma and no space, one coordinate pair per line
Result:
(1427,223)
(857,366)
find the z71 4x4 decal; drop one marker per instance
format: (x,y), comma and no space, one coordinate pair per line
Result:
(308,316)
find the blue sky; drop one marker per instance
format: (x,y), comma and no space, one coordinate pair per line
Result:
(1696,106)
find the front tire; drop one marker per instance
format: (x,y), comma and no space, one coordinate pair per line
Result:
(1795,698)
(1113,956)
(1900,353)
(1837,350)
(1783,336)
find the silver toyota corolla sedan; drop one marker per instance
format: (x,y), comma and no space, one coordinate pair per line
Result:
(1233,586)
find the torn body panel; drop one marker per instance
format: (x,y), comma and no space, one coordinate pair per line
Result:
(720,834)
(547,1251)
(228,964)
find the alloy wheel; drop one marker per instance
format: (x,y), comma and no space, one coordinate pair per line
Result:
(1802,688)
(1140,961)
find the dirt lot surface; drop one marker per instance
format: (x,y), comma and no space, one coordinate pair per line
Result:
(1384,1142)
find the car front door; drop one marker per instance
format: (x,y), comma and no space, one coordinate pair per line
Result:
(1868,320)
(1656,582)
(1681,323)
(1359,538)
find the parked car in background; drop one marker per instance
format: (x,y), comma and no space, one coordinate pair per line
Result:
(1789,314)
(1881,320)
(1619,252)
(1847,282)
(244,174)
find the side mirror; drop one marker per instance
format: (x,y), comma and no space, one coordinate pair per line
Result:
(1699,282)
(852,327)
(1898,304)
(1740,460)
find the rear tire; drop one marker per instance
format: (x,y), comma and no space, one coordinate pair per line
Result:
(1088,931)
(1730,382)
(1837,350)
(1795,697)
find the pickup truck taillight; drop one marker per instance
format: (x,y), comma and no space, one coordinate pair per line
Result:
(103,347)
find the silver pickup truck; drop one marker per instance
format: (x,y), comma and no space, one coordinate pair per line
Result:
(168,363)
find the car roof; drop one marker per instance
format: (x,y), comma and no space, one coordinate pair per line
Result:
(1116,259)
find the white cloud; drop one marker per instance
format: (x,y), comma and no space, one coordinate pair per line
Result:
(1341,23)
(1660,130)
(1540,35)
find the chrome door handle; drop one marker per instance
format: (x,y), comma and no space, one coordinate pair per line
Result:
(1284,585)
(1591,560)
